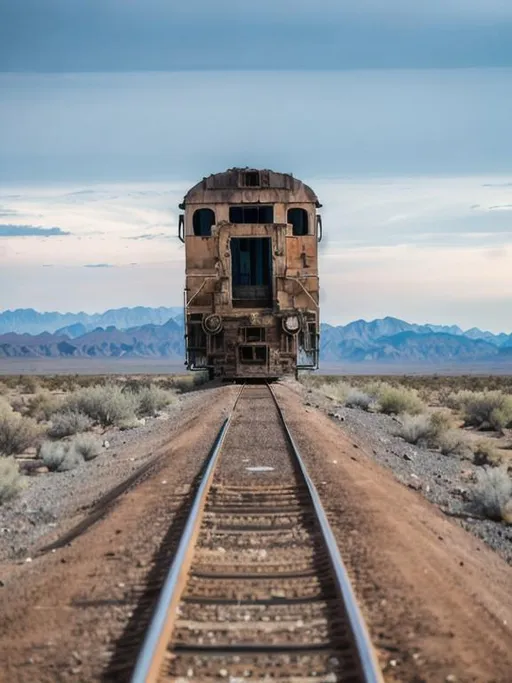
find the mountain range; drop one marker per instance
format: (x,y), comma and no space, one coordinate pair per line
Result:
(141,333)
(27,320)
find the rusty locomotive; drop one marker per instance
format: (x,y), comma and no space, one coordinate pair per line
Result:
(252,290)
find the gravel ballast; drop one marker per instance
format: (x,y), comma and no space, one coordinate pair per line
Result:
(445,480)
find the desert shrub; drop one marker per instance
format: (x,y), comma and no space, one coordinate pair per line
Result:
(43,405)
(457,400)
(107,405)
(4,389)
(151,399)
(425,429)
(338,391)
(358,399)
(19,404)
(454,442)
(52,454)
(396,400)
(184,383)
(69,422)
(59,457)
(485,453)
(416,429)
(71,460)
(11,481)
(493,493)
(5,406)
(86,445)
(28,384)
(484,409)
(16,433)
(129,423)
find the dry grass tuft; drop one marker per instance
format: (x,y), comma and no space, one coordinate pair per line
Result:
(493,494)
(396,400)
(16,433)
(12,482)
(359,399)
(59,457)
(43,405)
(454,442)
(151,399)
(106,405)
(485,453)
(425,430)
(338,391)
(68,423)
(86,445)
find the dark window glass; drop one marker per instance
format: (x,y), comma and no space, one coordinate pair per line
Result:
(202,222)
(251,179)
(299,221)
(253,354)
(251,214)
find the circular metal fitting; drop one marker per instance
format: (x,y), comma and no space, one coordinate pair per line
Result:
(291,324)
(212,324)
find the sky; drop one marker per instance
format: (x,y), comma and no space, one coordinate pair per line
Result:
(396,113)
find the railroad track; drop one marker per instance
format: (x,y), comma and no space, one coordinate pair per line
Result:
(257,590)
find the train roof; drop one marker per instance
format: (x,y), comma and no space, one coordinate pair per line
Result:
(239,185)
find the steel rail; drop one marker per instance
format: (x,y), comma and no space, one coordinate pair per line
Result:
(155,643)
(367,659)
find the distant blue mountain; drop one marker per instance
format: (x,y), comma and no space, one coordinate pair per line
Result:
(73,324)
(112,334)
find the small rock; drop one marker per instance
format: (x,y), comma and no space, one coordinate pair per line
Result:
(451,678)
(106,444)
(40,470)
(277,593)
(406,456)
(415,485)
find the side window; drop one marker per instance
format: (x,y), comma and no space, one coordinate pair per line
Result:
(299,221)
(202,221)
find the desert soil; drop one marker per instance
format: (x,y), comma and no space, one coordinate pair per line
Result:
(437,599)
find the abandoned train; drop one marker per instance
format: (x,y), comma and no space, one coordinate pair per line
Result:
(252,290)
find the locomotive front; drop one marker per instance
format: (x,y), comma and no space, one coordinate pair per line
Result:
(252,290)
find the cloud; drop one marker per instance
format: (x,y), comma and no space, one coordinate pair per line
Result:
(7,230)
(149,236)
(99,265)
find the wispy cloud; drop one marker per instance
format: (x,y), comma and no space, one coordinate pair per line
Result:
(7,230)
(99,265)
(149,236)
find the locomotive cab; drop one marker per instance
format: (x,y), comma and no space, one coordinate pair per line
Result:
(251,293)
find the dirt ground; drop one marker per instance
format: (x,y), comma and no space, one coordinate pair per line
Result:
(438,601)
